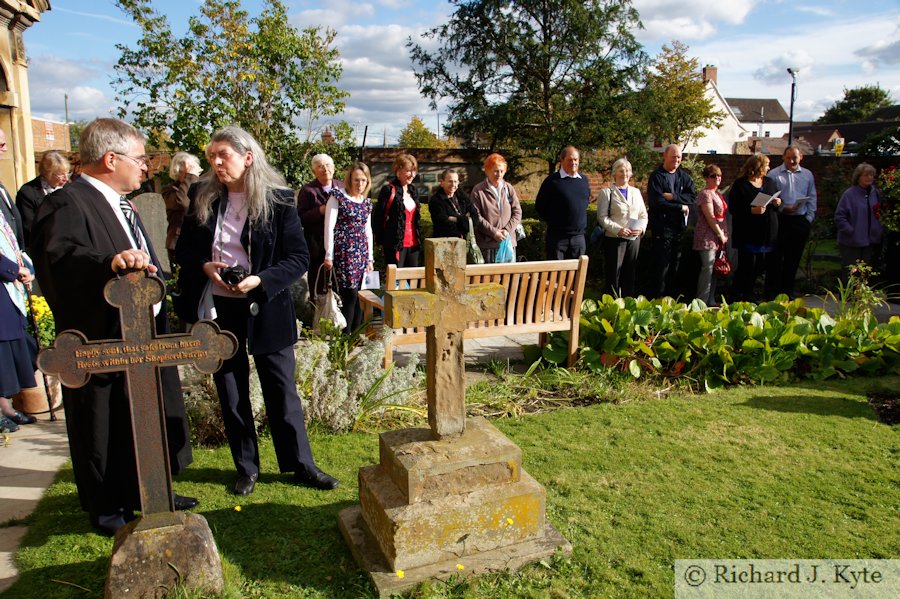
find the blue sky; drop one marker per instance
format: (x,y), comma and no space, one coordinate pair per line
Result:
(835,45)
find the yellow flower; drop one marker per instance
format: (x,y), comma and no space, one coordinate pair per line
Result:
(509,521)
(460,567)
(237,508)
(400,573)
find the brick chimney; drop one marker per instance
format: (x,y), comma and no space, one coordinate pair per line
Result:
(328,136)
(710,73)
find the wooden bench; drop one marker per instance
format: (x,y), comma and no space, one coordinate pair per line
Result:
(540,297)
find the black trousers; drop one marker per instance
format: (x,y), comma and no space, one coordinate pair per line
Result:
(793,233)
(750,266)
(283,408)
(404,258)
(565,247)
(666,260)
(620,261)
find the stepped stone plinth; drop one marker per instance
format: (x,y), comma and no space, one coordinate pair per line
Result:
(451,499)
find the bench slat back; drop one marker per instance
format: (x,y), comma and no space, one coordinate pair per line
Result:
(537,292)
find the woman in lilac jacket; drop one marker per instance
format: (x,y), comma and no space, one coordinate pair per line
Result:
(858,229)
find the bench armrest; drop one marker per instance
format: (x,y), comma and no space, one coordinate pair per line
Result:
(369,301)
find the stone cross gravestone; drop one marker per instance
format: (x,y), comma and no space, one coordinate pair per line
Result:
(444,308)
(453,495)
(140,353)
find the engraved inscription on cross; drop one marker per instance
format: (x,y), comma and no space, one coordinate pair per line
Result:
(140,353)
(444,307)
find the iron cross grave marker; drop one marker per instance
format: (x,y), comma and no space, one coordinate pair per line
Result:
(444,308)
(140,353)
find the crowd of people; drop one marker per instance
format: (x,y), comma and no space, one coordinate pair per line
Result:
(241,238)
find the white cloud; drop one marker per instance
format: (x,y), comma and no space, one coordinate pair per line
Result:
(378,75)
(690,19)
(776,69)
(884,51)
(52,77)
(819,11)
(92,15)
(338,13)
(826,56)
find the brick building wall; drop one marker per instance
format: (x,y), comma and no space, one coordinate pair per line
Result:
(50,135)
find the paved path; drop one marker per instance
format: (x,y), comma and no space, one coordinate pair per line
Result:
(29,463)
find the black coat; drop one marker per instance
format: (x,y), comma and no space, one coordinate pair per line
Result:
(278,255)
(441,209)
(388,224)
(748,228)
(28,199)
(75,236)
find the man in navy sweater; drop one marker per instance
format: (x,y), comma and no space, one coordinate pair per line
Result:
(562,203)
(670,194)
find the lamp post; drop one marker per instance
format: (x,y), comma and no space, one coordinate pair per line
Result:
(793,74)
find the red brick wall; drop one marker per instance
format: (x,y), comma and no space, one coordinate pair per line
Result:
(50,135)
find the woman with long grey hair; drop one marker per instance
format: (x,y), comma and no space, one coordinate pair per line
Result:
(242,241)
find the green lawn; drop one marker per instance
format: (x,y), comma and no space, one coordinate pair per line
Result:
(754,472)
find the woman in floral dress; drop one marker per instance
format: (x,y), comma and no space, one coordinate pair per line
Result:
(348,238)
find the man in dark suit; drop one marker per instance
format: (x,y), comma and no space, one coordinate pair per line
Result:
(81,238)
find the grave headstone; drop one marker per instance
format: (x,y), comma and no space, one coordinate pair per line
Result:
(152,209)
(455,494)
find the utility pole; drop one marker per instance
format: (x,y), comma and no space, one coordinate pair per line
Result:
(793,74)
(66,96)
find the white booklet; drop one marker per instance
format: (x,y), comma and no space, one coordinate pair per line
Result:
(763,199)
(800,202)
(636,223)
(371,280)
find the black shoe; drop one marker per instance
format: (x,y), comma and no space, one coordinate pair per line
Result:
(20,418)
(245,484)
(183,503)
(315,478)
(7,424)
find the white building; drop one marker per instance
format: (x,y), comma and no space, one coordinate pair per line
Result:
(731,131)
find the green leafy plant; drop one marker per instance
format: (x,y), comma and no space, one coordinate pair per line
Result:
(856,298)
(742,342)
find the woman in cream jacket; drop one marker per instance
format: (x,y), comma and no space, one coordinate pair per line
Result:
(622,214)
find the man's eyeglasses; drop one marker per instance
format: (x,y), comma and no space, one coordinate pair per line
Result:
(138,160)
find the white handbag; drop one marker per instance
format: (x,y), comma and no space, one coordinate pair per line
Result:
(328,305)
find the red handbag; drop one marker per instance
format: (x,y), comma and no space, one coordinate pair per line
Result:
(722,266)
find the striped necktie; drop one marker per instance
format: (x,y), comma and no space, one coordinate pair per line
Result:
(128,211)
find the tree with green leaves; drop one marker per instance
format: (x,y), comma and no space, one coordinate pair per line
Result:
(417,135)
(257,72)
(676,106)
(536,75)
(857,105)
(75,128)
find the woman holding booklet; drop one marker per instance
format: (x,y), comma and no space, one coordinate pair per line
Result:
(754,227)
(623,215)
